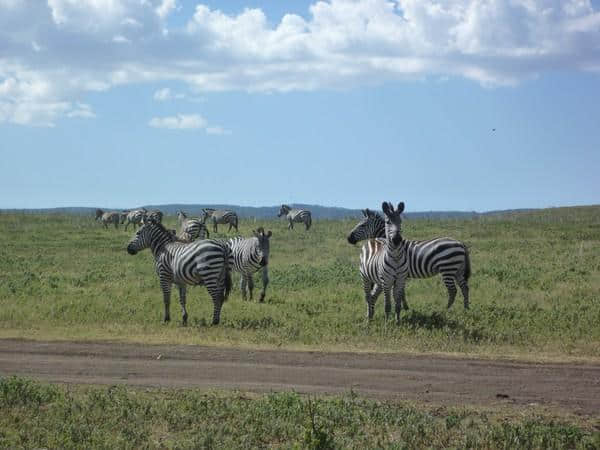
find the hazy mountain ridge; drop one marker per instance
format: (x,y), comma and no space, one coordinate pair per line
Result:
(266,212)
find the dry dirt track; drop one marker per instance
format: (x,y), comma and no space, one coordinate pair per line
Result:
(439,380)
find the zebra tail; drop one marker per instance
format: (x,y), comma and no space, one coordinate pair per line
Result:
(227,269)
(309,221)
(467,264)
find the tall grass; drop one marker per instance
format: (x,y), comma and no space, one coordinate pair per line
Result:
(38,415)
(535,289)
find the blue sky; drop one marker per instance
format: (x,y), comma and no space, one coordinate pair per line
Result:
(120,103)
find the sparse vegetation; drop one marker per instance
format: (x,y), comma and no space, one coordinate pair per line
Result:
(36,415)
(535,289)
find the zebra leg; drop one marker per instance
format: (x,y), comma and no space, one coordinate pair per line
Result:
(451,287)
(375,292)
(291,225)
(464,288)
(399,297)
(368,286)
(230,227)
(265,283)
(165,285)
(387,295)
(250,285)
(217,293)
(184,316)
(116,225)
(243,284)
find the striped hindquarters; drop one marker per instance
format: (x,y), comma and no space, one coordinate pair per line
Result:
(192,229)
(245,257)
(201,262)
(300,216)
(224,217)
(433,256)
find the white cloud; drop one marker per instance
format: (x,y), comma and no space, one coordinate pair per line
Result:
(179,122)
(341,44)
(187,122)
(165,94)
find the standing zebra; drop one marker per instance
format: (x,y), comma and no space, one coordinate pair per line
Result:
(99,213)
(248,256)
(135,217)
(445,256)
(384,265)
(191,227)
(110,217)
(221,216)
(295,215)
(204,262)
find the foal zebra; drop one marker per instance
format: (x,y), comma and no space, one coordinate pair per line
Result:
(191,228)
(384,265)
(445,256)
(295,215)
(135,217)
(110,217)
(221,216)
(248,256)
(205,262)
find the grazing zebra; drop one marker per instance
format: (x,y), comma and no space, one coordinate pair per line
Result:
(99,213)
(135,217)
(221,216)
(295,215)
(191,228)
(384,265)
(205,262)
(248,256)
(110,217)
(445,256)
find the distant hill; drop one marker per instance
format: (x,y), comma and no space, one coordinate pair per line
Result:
(270,212)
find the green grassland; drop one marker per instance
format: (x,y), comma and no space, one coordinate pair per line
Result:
(36,415)
(535,289)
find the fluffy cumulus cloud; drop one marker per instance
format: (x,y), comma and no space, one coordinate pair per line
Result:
(52,56)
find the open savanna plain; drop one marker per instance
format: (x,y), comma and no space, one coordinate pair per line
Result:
(535,296)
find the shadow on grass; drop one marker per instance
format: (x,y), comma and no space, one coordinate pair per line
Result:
(439,321)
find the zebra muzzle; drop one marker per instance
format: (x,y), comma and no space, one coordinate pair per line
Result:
(131,250)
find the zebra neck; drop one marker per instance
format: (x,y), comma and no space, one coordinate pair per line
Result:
(395,250)
(158,244)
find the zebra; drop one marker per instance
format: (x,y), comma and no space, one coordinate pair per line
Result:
(221,216)
(205,262)
(110,217)
(384,264)
(155,215)
(191,228)
(295,215)
(248,256)
(135,217)
(427,258)
(99,213)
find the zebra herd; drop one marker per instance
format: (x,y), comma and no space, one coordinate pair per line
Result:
(387,260)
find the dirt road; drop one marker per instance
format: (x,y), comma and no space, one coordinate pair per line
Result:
(439,380)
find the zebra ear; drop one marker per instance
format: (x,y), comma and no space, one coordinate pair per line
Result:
(400,207)
(364,212)
(369,213)
(387,208)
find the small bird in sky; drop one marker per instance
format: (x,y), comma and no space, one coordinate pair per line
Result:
(493,129)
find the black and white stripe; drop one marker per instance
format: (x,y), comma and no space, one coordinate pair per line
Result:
(110,217)
(154,215)
(427,258)
(191,228)
(248,256)
(221,216)
(99,213)
(384,265)
(134,217)
(205,262)
(295,215)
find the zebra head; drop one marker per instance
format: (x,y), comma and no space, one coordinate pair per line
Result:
(123,216)
(206,213)
(149,235)
(263,248)
(372,226)
(99,213)
(181,216)
(283,210)
(393,222)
